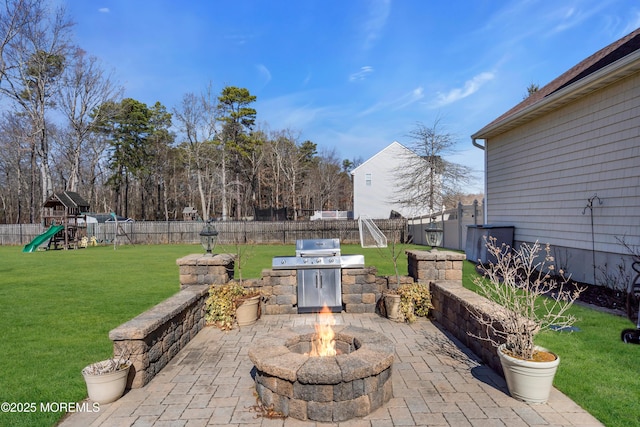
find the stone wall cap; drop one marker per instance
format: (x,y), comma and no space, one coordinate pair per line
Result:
(142,325)
(436,255)
(206,259)
(358,271)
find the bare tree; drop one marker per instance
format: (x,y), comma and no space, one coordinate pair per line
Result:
(85,87)
(289,160)
(428,181)
(197,118)
(255,161)
(325,181)
(33,61)
(15,17)
(13,167)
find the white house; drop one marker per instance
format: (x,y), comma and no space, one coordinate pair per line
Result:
(563,166)
(375,184)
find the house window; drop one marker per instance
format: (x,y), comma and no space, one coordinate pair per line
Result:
(367,179)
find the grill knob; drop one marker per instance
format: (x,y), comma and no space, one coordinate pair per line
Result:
(283,262)
(331,260)
(318,260)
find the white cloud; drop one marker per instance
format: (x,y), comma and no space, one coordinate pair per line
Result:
(264,72)
(632,24)
(470,87)
(402,101)
(307,79)
(296,110)
(362,74)
(104,10)
(375,21)
(409,98)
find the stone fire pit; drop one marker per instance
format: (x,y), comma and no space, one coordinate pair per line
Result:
(351,384)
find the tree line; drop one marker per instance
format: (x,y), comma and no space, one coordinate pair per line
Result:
(66,126)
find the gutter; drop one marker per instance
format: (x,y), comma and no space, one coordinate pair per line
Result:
(484,186)
(475,144)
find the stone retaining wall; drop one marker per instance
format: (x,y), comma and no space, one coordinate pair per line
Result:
(451,301)
(452,305)
(154,337)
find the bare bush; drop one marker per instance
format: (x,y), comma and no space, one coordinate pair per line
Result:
(531,296)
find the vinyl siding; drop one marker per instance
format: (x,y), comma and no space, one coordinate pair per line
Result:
(541,175)
(377,200)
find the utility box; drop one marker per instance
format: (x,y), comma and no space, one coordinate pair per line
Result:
(476,249)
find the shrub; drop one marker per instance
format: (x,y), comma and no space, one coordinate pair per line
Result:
(530,294)
(415,300)
(222,303)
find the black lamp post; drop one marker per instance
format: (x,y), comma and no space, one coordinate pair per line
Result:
(208,237)
(434,235)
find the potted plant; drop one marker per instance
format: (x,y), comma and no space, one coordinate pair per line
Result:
(248,307)
(391,299)
(531,297)
(232,302)
(106,380)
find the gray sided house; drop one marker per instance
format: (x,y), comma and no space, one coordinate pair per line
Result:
(563,166)
(375,184)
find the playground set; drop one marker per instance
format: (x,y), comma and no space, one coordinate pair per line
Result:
(63,214)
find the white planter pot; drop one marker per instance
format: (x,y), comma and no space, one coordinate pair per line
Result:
(528,381)
(247,312)
(392,306)
(108,387)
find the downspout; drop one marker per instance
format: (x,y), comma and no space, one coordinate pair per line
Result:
(484,202)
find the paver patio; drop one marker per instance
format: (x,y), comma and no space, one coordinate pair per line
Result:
(436,382)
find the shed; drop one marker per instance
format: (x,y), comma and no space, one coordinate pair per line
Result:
(190,213)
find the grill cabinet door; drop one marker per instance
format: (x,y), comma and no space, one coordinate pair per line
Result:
(317,287)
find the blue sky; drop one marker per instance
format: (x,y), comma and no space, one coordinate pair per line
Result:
(351,75)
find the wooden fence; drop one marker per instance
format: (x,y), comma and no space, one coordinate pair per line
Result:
(162,232)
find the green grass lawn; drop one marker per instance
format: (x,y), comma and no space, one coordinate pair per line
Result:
(57,310)
(59,306)
(597,370)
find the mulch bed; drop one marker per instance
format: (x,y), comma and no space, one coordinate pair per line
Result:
(614,300)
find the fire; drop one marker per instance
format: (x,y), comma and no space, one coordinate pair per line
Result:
(324,343)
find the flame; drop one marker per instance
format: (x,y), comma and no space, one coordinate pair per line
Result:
(324,343)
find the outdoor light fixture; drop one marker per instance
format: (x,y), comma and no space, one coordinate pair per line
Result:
(208,237)
(434,235)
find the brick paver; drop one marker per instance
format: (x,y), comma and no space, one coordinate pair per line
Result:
(436,382)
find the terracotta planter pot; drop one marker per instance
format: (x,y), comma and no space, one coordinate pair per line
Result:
(528,381)
(392,306)
(247,312)
(108,387)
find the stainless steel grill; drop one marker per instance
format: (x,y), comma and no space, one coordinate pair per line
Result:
(318,263)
